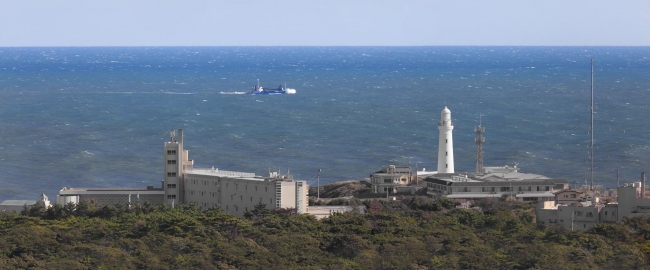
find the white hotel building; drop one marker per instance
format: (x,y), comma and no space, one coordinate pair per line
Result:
(232,192)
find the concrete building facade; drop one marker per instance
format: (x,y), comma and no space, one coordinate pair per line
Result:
(232,192)
(586,214)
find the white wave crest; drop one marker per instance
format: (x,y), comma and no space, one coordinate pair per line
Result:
(232,93)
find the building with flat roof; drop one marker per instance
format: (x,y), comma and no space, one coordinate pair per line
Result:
(17,206)
(390,179)
(495,182)
(111,196)
(230,191)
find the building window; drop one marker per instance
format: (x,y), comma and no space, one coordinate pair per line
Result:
(590,214)
(578,213)
(446,153)
(171,185)
(605,212)
(241,197)
(171,162)
(255,188)
(547,188)
(171,152)
(170,197)
(266,189)
(251,199)
(446,165)
(573,195)
(445,140)
(171,174)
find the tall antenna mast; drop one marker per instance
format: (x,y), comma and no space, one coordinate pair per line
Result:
(318,192)
(591,187)
(479,145)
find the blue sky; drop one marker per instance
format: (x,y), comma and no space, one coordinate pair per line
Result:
(324,23)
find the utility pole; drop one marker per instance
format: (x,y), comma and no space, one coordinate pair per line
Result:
(416,174)
(479,145)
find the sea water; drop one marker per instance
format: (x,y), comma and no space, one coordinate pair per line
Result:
(98,117)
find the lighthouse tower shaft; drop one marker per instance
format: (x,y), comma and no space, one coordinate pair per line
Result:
(446,143)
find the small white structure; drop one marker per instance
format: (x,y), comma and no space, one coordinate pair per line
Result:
(325,211)
(445,143)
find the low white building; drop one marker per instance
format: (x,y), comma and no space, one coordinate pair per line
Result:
(17,206)
(111,196)
(495,182)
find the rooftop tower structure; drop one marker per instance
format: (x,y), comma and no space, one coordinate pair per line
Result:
(446,143)
(479,146)
(173,171)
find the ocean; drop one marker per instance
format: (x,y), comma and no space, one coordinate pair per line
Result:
(98,116)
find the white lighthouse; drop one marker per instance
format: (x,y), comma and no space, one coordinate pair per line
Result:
(446,143)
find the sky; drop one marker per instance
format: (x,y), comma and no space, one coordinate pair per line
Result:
(324,23)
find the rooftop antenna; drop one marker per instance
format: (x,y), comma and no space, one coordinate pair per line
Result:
(479,145)
(591,187)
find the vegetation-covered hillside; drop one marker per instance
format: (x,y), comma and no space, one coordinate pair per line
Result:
(341,189)
(415,234)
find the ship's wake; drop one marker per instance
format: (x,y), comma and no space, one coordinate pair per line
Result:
(232,93)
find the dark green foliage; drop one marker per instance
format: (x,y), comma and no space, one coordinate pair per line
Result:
(416,233)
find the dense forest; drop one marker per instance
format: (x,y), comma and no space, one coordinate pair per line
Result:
(415,233)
